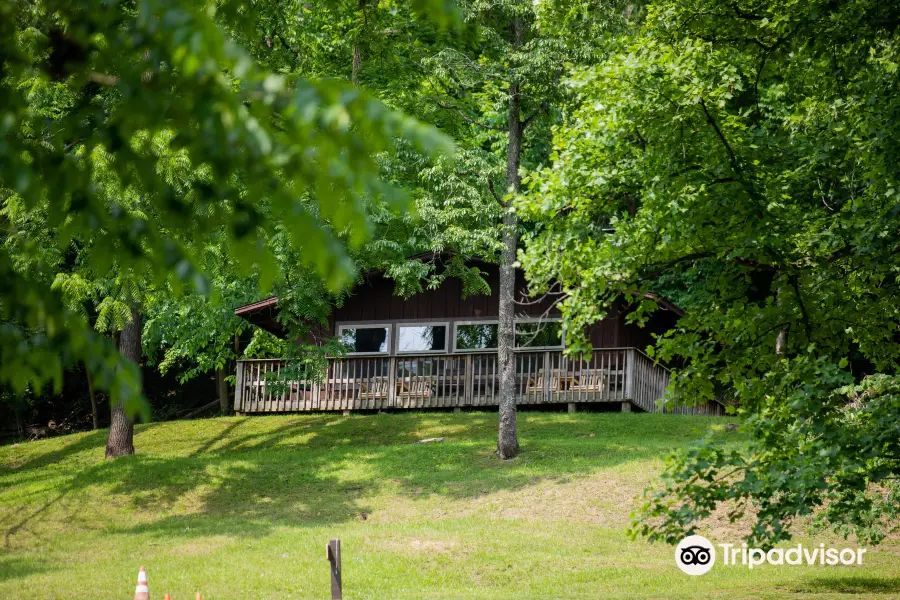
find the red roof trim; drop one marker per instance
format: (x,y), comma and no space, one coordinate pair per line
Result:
(272,301)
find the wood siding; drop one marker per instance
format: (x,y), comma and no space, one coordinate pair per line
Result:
(374,300)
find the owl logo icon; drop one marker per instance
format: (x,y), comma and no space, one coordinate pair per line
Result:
(695,555)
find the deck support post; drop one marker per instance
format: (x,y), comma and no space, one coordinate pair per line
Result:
(457,409)
(469,383)
(392,381)
(317,390)
(545,381)
(629,373)
(572,407)
(346,412)
(626,406)
(239,388)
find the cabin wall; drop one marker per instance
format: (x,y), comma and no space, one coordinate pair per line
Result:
(374,300)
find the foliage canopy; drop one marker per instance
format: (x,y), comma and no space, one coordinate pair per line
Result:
(741,159)
(97,101)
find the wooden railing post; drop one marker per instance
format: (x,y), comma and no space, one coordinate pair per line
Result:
(629,373)
(392,381)
(545,381)
(315,388)
(239,387)
(469,381)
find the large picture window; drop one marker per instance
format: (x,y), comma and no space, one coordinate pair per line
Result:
(365,339)
(476,336)
(421,337)
(539,334)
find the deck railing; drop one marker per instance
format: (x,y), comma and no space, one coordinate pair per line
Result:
(455,380)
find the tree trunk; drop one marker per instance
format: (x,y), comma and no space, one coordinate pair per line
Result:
(20,425)
(507,439)
(222,391)
(357,52)
(90,382)
(781,341)
(121,429)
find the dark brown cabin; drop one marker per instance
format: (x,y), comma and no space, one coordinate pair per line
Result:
(439,349)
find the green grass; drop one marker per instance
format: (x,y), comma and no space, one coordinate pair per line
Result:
(242,508)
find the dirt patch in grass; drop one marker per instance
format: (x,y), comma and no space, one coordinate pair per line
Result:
(199,547)
(419,546)
(603,498)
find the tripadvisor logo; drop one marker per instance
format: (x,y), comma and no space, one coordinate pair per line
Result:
(696,555)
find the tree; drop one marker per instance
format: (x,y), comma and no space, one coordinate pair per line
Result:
(121,428)
(741,160)
(496,93)
(122,81)
(492,92)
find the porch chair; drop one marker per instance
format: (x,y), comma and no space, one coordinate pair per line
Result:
(536,384)
(377,391)
(593,380)
(415,388)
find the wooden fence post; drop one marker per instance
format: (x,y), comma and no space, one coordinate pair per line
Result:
(545,380)
(629,373)
(239,388)
(333,551)
(392,382)
(469,381)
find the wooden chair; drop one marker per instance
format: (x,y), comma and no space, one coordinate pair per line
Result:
(377,391)
(536,384)
(419,388)
(591,381)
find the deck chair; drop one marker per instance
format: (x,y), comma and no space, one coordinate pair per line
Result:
(591,381)
(415,388)
(377,390)
(536,384)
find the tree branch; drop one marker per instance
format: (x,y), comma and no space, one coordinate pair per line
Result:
(499,200)
(545,106)
(469,119)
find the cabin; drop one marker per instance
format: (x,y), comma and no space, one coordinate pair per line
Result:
(438,349)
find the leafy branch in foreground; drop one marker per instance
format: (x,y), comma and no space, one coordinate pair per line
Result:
(87,92)
(823,460)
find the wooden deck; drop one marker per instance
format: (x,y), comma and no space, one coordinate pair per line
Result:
(625,376)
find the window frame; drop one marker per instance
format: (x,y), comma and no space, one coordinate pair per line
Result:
(389,325)
(456,324)
(398,324)
(562,340)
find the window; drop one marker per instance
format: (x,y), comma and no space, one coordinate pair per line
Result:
(476,336)
(539,334)
(365,339)
(420,337)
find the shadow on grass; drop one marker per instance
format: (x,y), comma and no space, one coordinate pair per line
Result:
(850,585)
(17,567)
(244,478)
(90,441)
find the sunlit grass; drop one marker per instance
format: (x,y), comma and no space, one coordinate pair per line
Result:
(242,508)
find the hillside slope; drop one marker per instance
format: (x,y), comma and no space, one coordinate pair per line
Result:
(242,508)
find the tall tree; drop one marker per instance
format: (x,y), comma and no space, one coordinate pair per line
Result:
(498,89)
(121,427)
(741,158)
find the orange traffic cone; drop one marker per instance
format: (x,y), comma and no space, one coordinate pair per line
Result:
(199,597)
(142,591)
(168,597)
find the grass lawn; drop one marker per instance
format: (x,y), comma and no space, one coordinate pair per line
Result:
(242,508)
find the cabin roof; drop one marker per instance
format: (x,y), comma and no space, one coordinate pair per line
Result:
(262,313)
